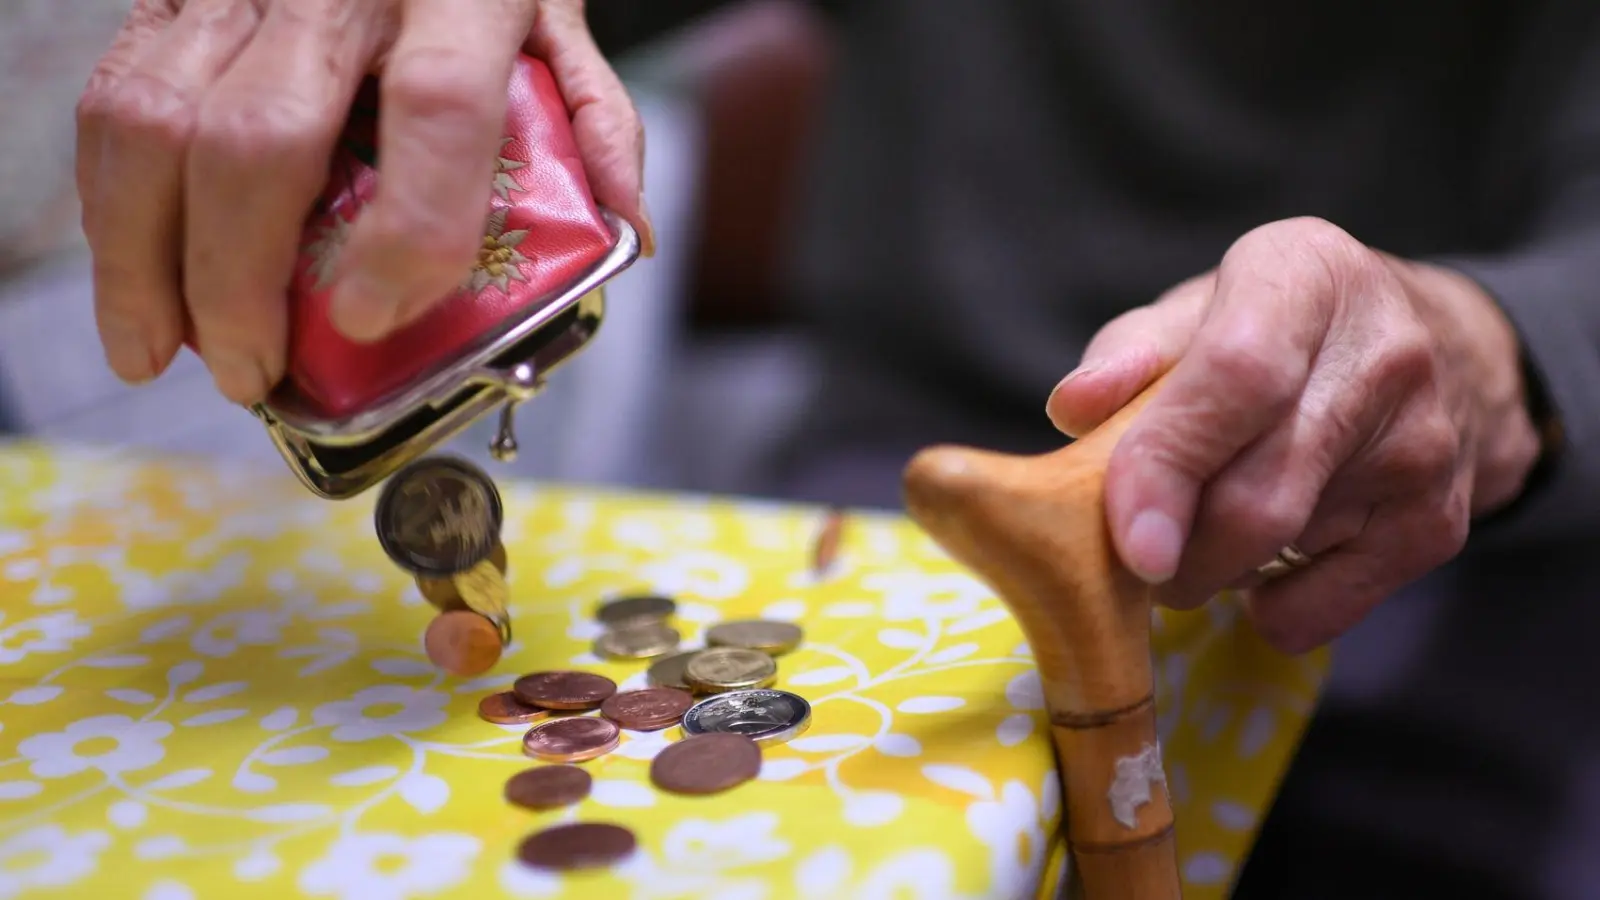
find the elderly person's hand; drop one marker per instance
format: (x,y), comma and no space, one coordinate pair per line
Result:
(204,139)
(1322,396)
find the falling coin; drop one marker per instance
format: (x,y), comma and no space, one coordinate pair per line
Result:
(706,764)
(648,709)
(505,709)
(564,689)
(668,671)
(637,641)
(764,716)
(613,613)
(826,548)
(442,592)
(548,787)
(577,845)
(730,669)
(483,589)
(462,643)
(775,638)
(438,516)
(573,739)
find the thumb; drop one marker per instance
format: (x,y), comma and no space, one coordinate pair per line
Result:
(1125,356)
(606,126)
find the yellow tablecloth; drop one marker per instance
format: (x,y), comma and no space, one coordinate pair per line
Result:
(211,685)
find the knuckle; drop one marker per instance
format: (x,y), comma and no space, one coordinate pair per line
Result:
(1269,515)
(1253,359)
(1407,356)
(145,107)
(439,83)
(1425,452)
(262,128)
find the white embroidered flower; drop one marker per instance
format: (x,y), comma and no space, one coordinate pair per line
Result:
(48,856)
(711,576)
(919,874)
(53,633)
(111,744)
(226,633)
(384,866)
(909,596)
(704,845)
(381,711)
(1013,828)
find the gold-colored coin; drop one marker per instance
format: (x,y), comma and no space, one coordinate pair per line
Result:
(669,671)
(635,610)
(484,591)
(775,638)
(442,593)
(730,669)
(645,640)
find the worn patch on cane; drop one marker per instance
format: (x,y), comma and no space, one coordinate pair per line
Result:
(1136,775)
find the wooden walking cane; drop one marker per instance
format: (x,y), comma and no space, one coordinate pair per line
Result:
(1034,528)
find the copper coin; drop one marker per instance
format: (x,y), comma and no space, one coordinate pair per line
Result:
(668,671)
(563,689)
(706,764)
(635,609)
(462,643)
(571,739)
(505,709)
(578,845)
(649,709)
(547,787)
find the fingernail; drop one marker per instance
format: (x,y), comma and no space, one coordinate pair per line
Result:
(128,354)
(1074,375)
(362,308)
(239,378)
(1061,424)
(1154,544)
(647,240)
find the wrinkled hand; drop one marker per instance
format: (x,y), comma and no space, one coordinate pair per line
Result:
(204,137)
(1360,407)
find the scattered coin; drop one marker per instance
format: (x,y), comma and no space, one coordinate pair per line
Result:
(572,739)
(770,637)
(764,716)
(730,669)
(613,613)
(462,643)
(706,764)
(668,671)
(648,709)
(439,516)
(505,709)
(547,787)
(577,845)
(826,548)
(634,640)
(564,689)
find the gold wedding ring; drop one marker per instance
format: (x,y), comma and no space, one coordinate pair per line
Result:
(1287,560)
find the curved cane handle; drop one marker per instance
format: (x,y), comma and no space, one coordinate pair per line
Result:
(1034,528)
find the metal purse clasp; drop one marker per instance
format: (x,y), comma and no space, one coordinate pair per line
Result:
(339,458)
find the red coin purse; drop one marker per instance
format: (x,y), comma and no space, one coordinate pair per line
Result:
(348,414)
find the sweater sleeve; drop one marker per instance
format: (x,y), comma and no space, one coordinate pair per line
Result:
(1547,278)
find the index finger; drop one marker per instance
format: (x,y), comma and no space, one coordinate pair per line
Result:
(443,103)
(1244,371)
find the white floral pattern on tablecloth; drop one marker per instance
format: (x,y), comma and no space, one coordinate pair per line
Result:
(211,684)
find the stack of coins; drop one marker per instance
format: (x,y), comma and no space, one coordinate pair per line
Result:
(439,519)
(636,628)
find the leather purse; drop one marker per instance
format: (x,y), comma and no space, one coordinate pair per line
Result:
(348,414)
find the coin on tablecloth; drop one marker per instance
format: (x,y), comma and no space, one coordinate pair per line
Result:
(764,716)
(564,689)
(572,739)
(577,845)
(647,709)
(636,640)
(730,669)
(645,608)
(765,635)
(505,709)
(547,787)
(669,671)
(462,643)
(706,764)
(439,516)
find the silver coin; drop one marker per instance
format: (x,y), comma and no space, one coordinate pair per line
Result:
(763,715)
